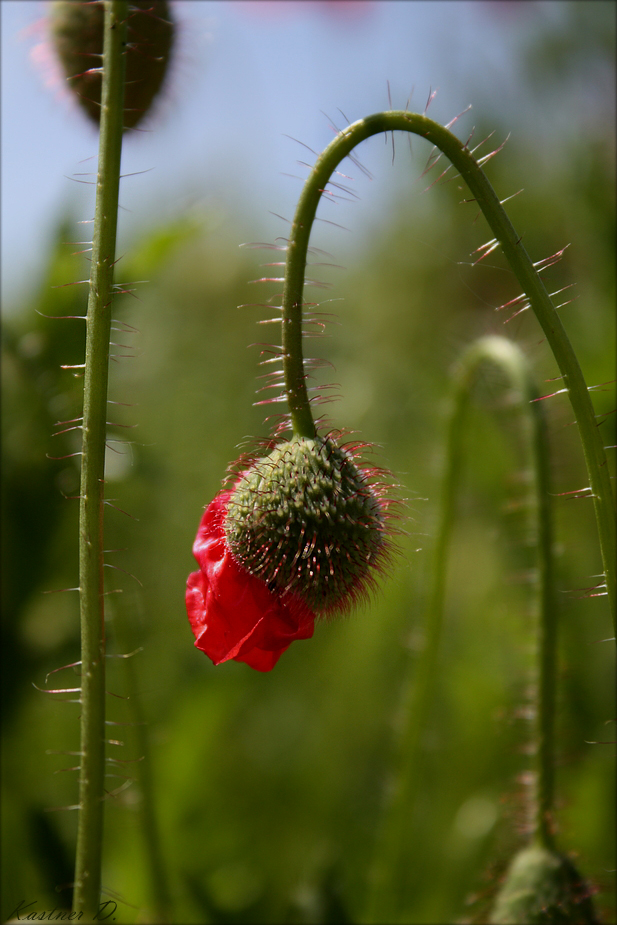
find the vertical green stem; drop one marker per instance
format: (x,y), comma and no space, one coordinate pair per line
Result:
(387,890)
(159,886)
(91,782)
(547,625)
(521,265)
(161,904)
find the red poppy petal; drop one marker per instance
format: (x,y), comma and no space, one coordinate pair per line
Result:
(261,660)
(286,620)
(214,633)
(233,614)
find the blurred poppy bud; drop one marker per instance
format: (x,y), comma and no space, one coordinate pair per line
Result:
(77,36)
(541,888)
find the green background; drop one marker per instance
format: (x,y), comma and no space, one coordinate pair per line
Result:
(268,787)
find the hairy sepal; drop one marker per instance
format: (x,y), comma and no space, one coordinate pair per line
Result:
(543,886)
(309,519)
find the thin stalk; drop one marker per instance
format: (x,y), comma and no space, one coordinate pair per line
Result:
(161,904)
(87,886)
(387,889)
(157,873)
(521,265)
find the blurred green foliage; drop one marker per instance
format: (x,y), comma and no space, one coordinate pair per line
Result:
(268,787)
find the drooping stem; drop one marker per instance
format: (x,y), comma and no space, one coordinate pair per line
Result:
(510,359)
(387,887)
(91,781)
(521,265)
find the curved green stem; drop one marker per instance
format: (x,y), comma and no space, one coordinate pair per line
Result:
(91,780)
(521,265)
(511,360)
(387,889)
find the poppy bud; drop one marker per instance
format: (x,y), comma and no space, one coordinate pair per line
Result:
(309,521)
(77,35)
(542,886)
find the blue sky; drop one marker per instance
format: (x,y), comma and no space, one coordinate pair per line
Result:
(246,75)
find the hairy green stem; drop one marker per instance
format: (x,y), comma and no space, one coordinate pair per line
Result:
(510,359)
(87,886)
(523,268)
(387,889)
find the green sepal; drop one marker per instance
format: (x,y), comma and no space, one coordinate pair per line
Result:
(543,887)
(309,521)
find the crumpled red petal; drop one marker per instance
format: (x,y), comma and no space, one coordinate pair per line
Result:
(233,614)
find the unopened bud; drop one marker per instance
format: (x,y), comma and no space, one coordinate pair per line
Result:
(77,35)
(543,888)
(308,520)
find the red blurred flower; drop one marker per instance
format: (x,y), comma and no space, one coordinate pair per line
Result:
(232,613)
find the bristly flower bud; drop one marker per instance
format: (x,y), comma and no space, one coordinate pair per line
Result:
(77,35)
(543,888)
(309,521)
